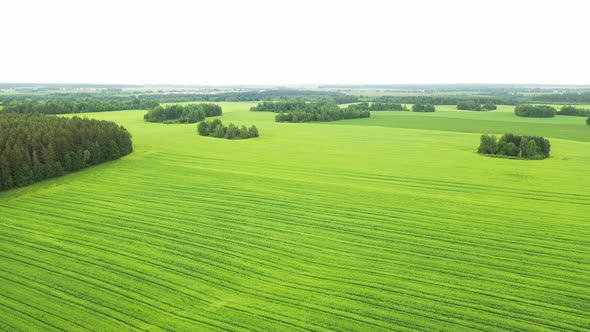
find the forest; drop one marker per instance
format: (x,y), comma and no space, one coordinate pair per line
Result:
(515,146)
(178,113)
(535,111)
(56,106)
(215,128)
(568,97)
(35,147)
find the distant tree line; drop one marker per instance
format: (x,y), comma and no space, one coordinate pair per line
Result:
(35,147)
(215,128)
(187,96)
(178,113)
(535,111)
(516,146)
(570,97)
(378,106)
(445,99)
(423,108)
(80,106)
(472,105)
(573,111)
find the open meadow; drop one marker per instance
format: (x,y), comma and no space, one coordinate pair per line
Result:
(388,223)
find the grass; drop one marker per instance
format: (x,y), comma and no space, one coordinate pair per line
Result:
(355,225)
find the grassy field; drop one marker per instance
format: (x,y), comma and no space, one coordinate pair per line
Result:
(358,225)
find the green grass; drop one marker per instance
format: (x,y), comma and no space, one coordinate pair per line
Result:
(357,225)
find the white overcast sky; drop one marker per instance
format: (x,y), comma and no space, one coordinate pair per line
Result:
(295,42)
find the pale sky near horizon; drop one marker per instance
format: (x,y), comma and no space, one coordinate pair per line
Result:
(226,42)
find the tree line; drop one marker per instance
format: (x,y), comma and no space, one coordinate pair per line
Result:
(378,106)
(446,99)
(535,111)
(515,146)
(178,113)
(573,111)
(215,128)
(35,147)
(472,105)
(79,106)
(423,108)
(569,97)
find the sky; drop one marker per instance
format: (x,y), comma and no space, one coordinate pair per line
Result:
(259,42)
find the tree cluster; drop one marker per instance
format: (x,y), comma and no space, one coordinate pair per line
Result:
(535,111)
(80,106)
(423,108)
(515,146)
(35,147)
(178,113)
(472,105)
(299,111)
(215,128)
(573,111)
(379,106)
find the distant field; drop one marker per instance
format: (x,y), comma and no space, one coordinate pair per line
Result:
(448,118)
(359,225)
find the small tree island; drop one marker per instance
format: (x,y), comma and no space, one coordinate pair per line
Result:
(515,146)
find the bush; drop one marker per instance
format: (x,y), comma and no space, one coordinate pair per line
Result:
(522,147)
(535,111)
(215,128)
(423,108)
(489,106)
(588,121)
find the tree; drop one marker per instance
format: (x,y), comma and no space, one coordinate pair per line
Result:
(488,145)
(219,131)
(253,131)
(244,132)
(204,128)
(232,131)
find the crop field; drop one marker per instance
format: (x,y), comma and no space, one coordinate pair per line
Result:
(387,223)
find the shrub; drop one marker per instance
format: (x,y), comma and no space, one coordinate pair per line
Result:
(588,121)
(535,111)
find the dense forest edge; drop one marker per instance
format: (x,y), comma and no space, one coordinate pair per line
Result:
(36,147)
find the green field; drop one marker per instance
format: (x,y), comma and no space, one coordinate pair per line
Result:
(379,224)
